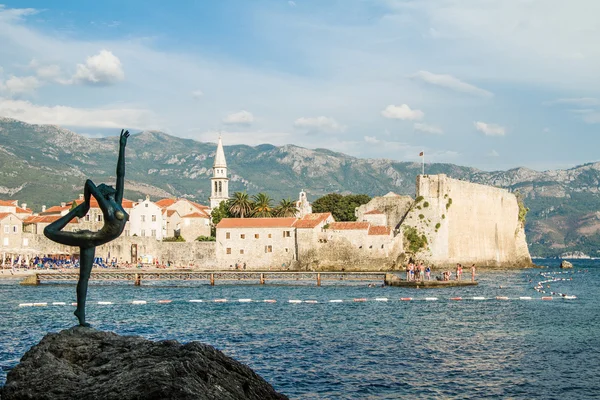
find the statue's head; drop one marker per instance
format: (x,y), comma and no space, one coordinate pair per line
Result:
(106,190)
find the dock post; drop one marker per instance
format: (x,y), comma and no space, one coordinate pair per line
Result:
(138,280)
(318,279)
(262,279)
(212,279)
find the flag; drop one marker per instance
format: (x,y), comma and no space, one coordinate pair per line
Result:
(421,154)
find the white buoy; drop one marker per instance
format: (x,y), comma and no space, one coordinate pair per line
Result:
(336,301)
(381,299)
(245,300)
(196,301)
(139,302)
(295,301)
(40,304)
(478,298)
(270,301)
(311,301)
(59,303)
(524,298)
(431,298)
(26,305)
(104,303)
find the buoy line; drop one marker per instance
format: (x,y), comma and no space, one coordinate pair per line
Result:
(549,277)
(307,301)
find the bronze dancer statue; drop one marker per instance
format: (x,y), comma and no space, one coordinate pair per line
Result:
(115,219)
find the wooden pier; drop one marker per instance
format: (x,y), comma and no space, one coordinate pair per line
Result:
(261,277)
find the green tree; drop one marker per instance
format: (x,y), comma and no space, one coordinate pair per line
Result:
(263,206)
(240,205)
(341,207)
(217,214)
(286,208)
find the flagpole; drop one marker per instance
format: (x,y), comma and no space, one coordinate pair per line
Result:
(423,169)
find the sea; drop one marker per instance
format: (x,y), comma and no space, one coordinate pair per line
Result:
(479,347)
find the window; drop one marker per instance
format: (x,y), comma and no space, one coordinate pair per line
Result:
(143,232)
(87,218)
(227,235)
(286,249)
(229,250)
(154,218)
(146,205)
(6,241)
(25,242)
(143,218)
(153,232)
(6,228)
(256,236)
(220,187)
(382,246)
(243,236)
(268,249)
(215,187)
(269,236)
(241,251)
(99,217)
(287,234)
(14,229)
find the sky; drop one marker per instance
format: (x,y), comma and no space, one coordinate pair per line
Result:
(492,84)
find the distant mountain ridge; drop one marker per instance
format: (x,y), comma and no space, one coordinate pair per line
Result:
(45,164)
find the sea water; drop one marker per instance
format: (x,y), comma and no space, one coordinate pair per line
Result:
(517,348)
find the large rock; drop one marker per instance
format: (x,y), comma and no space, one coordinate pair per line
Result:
(566,264)
(84,363)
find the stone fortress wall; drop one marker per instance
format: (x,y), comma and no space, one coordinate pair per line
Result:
(467,223)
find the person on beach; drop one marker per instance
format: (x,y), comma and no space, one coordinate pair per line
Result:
(422,271)
(473,273)
(109,200)
(428,273)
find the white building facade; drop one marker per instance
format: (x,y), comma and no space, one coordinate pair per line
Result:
(146,220)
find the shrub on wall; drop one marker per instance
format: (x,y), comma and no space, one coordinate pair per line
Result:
(415,241)
(206,238)
(174,239)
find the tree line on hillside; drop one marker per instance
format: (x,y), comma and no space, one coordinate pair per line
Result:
(261,205)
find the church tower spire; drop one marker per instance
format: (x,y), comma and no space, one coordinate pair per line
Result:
(219,182)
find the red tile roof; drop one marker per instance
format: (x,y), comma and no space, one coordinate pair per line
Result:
(257,223)
(312,220)
(349,225)
(55,209)
(94,203)
(379,230)
(8,203)
(45,219)
(5,214)
(195,215)
(373,212)
(162,203)
(24,210)
(171,212)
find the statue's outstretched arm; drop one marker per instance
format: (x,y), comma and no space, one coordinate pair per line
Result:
(121,166)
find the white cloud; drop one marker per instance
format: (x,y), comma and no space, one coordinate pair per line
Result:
(196,94)
(242,117)
(451,82)
(102,69)
(16,86)
(69,116)
(325,124)
(489,129)
(48,72)
(428,128)
(493,153)
(577,101)
(8,14)
(292,3)
(403,112)
(371,139)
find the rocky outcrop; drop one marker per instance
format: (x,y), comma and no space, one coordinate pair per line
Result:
(566,264)
(84,363)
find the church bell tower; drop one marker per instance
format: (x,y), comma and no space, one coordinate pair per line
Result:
(219,182)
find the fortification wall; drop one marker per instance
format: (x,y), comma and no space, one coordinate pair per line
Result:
(467,223)
(393,206)
(198,254)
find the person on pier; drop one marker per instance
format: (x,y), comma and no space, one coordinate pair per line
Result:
(109,200)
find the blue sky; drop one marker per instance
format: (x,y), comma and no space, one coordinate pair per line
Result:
(492,84)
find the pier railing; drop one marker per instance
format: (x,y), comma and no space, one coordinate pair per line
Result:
(262,277)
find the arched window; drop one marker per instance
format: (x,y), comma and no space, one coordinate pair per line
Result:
(216,187)
(220,187)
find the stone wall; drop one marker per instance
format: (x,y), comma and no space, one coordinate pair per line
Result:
(467,223)
(198,254)
(392,205)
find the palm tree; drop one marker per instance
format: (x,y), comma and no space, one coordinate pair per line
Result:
(240,205)
(263,206)
(286,208)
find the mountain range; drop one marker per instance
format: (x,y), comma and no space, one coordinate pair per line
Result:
(46,165)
